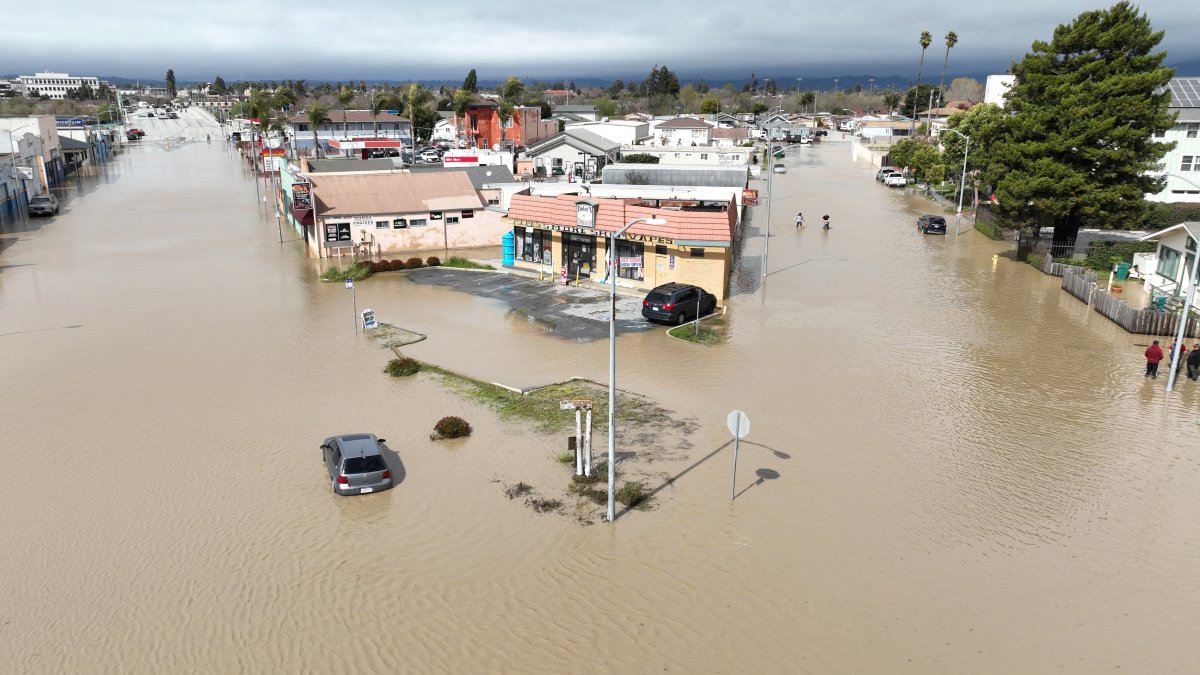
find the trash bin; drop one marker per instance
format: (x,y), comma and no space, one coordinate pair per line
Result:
(509,247)
(1160,301)
(1123,271)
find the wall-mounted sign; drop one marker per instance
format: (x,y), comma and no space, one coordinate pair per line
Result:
(631,262)
(362,221)
(628,236)
(435,215)
(337,234)
(749,197)
(301,196)
(585,214)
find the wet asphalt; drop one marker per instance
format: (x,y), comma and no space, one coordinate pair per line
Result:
(578,313)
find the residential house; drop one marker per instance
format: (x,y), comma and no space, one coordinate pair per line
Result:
(398,212)
(996,88)
(444,129)
(625,132)
(569,234)
(1176,258)
(725,137)
(687,131)
(1181,164)
(577,153)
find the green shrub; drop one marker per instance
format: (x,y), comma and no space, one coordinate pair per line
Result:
(414,264)
(402,366)
(633,495)
(1161,215)
(640,158)
(451,427)
(1077,262)
(1100,254)
(463,263)
(990,230)
(358,271)
(1035,259)
(433,261)
(565,457)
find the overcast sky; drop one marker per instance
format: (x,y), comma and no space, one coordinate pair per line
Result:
(376,39)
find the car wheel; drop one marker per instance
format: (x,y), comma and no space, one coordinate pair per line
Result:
(681,319)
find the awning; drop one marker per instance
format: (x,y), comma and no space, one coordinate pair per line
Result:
(363,143)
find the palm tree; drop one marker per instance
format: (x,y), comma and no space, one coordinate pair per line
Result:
(317,115)
(892,100)
(418,96)
(925,41)
(460,104)
(951,40)
(380,101)
(345,96)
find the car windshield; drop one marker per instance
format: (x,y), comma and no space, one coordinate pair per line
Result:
(364,464)
(40,200)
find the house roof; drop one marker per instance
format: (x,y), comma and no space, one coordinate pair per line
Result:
(68,143)
(727,132)
(1185,92)
(1192,228)
(573,108)
(684,123)
(403,192)
(613,214)
(343,165)
(569,117)
(584,141)
(335,116)
(478,175)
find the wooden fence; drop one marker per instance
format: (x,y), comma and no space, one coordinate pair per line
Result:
(1083,286)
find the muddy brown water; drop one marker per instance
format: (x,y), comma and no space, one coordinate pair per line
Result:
(952,465)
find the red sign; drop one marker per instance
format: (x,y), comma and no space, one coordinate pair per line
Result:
(460,159)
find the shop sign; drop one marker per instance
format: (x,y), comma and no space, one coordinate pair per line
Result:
(628,236)
(368,318)
(585,214)
(301,196)
(631,262)
(336,233)
(749,197)
(362,221)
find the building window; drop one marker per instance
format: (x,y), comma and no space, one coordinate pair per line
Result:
(474,122)
(533,245)
(1191,128)
(659,249)
(627,250)
(1168,262)
(493,201)
(451,220)
(417,222)
(381,224)
(697,253)
(1185,164)
(704,155)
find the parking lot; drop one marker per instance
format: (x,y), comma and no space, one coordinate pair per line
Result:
(571,312)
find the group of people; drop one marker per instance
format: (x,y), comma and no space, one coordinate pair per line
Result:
(800,220)
(1154,355)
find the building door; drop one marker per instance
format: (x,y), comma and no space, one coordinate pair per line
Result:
(579,254)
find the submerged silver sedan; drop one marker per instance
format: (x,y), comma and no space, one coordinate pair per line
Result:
(355,464)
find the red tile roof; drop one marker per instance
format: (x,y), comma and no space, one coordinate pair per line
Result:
(613,214)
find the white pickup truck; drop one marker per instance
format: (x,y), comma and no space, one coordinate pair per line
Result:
(895,179)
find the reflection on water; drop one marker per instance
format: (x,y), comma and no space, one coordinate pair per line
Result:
(953,465)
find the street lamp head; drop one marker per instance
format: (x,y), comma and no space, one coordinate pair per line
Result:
(655,221)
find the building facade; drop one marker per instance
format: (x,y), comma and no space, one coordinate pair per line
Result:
(567,235)
(1182,163)
(54,85)
(349,125)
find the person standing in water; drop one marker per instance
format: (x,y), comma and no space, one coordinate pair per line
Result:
(825,220)
(799,219)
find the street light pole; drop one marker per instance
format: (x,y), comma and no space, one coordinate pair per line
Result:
(962,186)
(770,181)
(612,360)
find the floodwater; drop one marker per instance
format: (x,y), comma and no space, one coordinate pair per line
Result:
(952,466)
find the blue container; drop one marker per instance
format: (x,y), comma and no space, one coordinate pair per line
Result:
(510,248)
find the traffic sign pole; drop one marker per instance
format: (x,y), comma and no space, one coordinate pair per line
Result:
(739,426)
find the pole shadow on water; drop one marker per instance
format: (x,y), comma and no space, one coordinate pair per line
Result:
(764,475)
(761,473)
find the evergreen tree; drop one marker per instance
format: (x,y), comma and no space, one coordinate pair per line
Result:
(471,82)
(217,86)
(170,83)
(1085,107)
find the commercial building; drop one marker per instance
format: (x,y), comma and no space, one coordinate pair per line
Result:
(54,85)
(350,129)
(568,236)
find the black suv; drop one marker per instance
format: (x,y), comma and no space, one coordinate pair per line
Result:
(930,224)
(677,303)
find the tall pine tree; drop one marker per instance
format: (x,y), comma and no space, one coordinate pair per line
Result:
(1085,108)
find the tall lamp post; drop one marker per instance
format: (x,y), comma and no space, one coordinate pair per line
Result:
(612,360)
(962,186)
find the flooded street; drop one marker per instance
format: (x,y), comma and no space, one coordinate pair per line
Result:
(964,469)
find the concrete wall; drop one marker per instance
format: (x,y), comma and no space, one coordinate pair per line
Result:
(484,229)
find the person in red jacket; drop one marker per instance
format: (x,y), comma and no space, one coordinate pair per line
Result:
(1153,356)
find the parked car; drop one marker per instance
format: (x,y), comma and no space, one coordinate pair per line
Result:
(429,155)
(779,167)
(931,224)
(43,205)
(895,179)
(677,303)
(355,464)
(883,172)
(172,116)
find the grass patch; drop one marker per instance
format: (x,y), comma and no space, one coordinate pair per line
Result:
(713,331)
(518,490)
(463,263)
(357,272)
(541,407)
(593,492)
(633,495)
(990,230)
(565,457)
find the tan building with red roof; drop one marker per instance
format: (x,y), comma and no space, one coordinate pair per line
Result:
(694,246)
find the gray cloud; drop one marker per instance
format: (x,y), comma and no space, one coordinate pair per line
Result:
(368,39)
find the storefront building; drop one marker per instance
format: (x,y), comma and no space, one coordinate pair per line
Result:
(568,235)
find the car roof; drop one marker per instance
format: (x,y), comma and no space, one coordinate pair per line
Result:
(44,198)
(357,445)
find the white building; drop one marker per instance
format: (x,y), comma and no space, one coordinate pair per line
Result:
(997,86)
(54,85)
(623,132)
(1176,257)
(682,131)
(1182,163)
